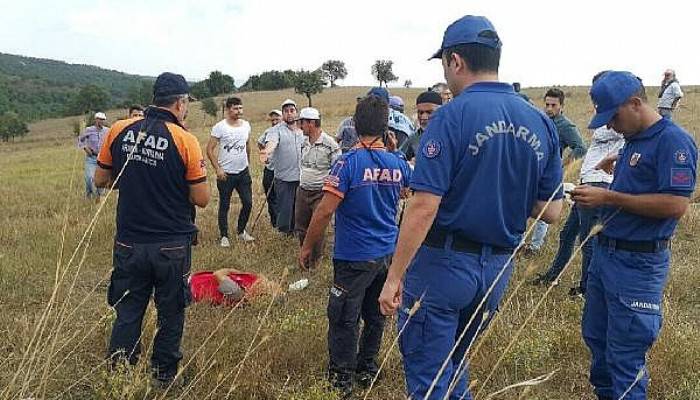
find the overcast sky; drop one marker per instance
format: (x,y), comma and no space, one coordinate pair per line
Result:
(545,42)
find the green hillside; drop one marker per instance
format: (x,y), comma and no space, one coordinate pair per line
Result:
(39,88)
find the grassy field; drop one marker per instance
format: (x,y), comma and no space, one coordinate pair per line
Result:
(55,323)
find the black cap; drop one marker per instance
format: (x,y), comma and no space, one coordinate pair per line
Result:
(169,84)
(429,97)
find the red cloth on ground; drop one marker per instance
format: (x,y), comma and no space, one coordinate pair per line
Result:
(205,287)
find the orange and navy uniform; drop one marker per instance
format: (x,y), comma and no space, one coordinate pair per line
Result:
(154,204)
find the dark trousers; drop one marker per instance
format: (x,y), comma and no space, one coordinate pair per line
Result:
(269,188)
(578,225)
(242,183)
(140,270)
(355,294)
(306,202)
(285,193)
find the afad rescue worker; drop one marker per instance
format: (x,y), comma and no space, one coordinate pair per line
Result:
(487,162)
(654,178)
(363,189)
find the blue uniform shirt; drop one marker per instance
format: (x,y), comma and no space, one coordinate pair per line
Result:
(661,159)
(369,180)
(490,156)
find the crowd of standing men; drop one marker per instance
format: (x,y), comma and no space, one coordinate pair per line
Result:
(481,161)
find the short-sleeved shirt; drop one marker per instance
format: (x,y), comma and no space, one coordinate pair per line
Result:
(569,136)
(287,155)
(316,161)
(346,134)
(92,138)
(233,156)
(154,189)
(368,179)
(410,147)
(670,94)
(490,156)
(262,141)
(604,142)
(661,159)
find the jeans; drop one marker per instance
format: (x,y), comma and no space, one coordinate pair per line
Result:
(538,234)
(242,183)
(268,187)
(90,168)
(285,193)
(666,112)
(140,270)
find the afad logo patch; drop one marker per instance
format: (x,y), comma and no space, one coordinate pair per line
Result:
(432,148)
(681,157)
(634,160)
(681,178)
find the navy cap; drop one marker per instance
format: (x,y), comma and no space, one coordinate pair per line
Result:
(169,84)
(379,92)
(429,97)
(609,92)
(469,29)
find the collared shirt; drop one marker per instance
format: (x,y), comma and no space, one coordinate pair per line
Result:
(661,159)
(287,154)
(92,138)
(569,136)
(672,92)
(410,147)
(604,142)
(368,179)
(154,190)
(316,161)
(490,156)
(346,135)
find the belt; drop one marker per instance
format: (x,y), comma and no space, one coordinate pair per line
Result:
(437,238)
(636,246)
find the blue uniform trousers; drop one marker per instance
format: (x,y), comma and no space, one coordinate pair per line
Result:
(622,317)
(454,283)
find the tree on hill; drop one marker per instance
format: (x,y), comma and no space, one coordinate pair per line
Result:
(407,83)
(12,125)
(309,83)
(90,98)
(209,107)
(334,70)
(382,71)
(219,83)
(141,93)
(270,80)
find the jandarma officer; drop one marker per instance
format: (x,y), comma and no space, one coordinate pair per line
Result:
(487,161)
(654,178)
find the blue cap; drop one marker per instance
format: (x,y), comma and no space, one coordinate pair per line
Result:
(169,84)
(395,101)
(469,29)
(379,92)
(609,92)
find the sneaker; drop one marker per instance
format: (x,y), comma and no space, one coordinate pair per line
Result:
(364,375)
(245,236)
(225,242)
(342,383)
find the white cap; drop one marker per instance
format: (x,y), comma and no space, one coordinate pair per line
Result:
(309,113)
(275,111)
(289,102)
(100,115)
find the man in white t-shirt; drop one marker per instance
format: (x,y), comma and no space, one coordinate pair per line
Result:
(669,94)
(229,153)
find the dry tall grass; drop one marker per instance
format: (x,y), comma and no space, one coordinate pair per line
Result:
(55,323)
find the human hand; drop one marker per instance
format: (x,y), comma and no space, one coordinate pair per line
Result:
(390,298)
(304,258)
(391,141)
(607,164)
(220,174)
(590,196)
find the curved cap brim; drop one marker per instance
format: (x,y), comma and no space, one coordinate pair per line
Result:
(602,118)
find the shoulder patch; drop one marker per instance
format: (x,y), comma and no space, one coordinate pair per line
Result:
(432,148)
(681,157)
(681,178)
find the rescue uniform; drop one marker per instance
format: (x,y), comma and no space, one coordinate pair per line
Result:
(368,179)
(627,274)
(152,247)
(490,156)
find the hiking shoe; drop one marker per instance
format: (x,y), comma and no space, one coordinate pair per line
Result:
(364,375)
(342,383)
(245,236)
(225,242)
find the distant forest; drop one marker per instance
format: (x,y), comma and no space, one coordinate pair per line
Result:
(37,88)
